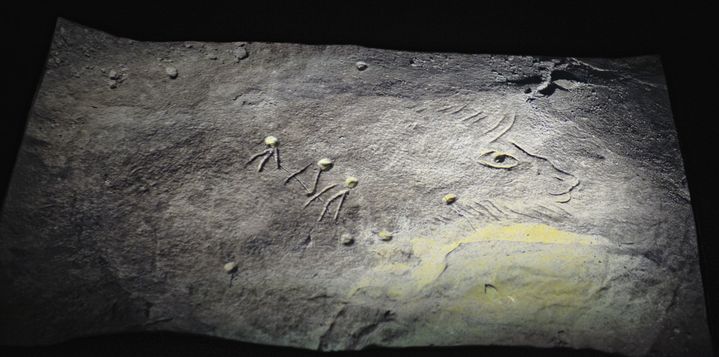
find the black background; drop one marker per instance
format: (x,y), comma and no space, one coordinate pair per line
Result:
(682,33)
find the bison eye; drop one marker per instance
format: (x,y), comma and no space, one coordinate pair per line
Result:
(498,160)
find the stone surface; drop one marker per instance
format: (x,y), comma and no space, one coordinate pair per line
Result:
(240,54)
(230,267)
(171,72)
(572,225)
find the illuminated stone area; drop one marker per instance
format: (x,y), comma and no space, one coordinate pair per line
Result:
(526,279)
(339,197)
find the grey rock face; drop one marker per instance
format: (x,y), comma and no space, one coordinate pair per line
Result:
(240,54)
(171,72)
(159,205)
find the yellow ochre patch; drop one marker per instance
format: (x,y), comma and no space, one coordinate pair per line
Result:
(459,287)
(554,253)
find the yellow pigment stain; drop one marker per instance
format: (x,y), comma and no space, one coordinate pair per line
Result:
(556,254)
(484,281)
(458,287)
(432,251)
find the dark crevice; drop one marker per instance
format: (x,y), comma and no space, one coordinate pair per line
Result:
(562,74)
(174,344)
(536,79)
(549,89)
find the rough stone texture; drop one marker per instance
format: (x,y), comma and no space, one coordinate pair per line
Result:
(572,225)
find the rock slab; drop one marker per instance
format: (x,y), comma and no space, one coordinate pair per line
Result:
(569,222)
